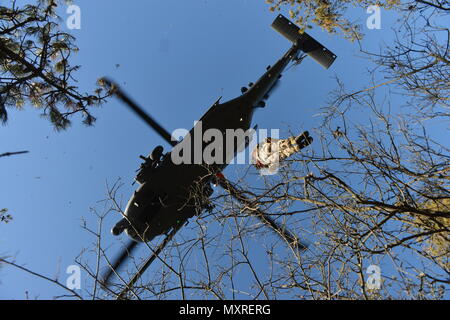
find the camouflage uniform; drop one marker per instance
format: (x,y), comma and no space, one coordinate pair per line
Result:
(268,154)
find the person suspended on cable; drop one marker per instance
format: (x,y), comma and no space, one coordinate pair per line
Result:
(268,155)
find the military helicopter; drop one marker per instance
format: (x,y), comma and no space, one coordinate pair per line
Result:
(165,199)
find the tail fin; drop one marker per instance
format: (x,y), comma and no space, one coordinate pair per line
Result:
(305,42)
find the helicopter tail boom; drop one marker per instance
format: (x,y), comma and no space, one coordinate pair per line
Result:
(304,41)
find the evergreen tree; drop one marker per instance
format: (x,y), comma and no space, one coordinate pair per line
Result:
(35,65)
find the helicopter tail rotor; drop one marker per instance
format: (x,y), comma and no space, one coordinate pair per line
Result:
(305,42)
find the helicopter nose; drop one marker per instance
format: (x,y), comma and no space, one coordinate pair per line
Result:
(116,231)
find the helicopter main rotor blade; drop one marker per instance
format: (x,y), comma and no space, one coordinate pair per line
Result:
(139,111)
(7,154)
(118,261)
(262,216)
(148,262)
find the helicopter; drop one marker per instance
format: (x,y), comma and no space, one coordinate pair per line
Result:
(166,196)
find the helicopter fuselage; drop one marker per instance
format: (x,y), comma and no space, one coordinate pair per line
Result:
(172,192)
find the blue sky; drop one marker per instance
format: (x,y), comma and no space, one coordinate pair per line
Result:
(175,58)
